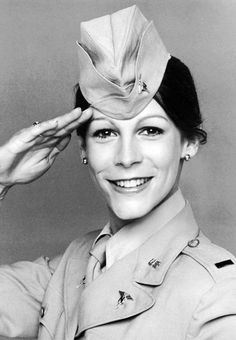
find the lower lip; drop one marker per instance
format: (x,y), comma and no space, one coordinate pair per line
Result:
(124,190)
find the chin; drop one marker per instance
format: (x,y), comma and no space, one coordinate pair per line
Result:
(130,211)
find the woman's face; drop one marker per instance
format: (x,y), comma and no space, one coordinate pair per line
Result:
(136,162)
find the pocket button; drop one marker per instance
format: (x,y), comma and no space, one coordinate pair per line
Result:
(42,311)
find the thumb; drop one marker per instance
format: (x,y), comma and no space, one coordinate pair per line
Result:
(62,144)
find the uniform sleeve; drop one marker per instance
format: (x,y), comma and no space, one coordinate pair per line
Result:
(215,315)
(22,287)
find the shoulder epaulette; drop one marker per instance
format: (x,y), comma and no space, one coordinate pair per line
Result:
(219,262)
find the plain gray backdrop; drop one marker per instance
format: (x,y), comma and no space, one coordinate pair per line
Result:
(38,69)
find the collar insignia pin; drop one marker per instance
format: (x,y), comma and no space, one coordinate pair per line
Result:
(154,263)
(123,297)
(82,282)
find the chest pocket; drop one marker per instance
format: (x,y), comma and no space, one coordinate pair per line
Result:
(50,314)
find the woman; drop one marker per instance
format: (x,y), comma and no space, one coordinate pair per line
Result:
(150,273)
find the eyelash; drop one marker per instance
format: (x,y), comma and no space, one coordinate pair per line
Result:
(150,131)
(103,133)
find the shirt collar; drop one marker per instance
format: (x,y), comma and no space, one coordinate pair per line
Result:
(105,231)
(164,247)
(132,235)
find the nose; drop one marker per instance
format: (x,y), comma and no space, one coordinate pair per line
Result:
(128,152)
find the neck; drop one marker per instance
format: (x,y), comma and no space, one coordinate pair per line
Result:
(117,223)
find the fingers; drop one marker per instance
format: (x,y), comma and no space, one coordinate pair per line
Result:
(62,125)
(51,142)
(63,143)
(67,118)
(58,148)
(52,126)
(64,129)
(34,131)
(41,134)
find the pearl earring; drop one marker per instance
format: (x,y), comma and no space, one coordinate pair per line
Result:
(187,157)
(84,160)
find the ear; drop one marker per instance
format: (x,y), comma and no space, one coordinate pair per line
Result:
(82,147)
(190,147)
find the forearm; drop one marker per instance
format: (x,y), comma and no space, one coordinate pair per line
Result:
(22,288)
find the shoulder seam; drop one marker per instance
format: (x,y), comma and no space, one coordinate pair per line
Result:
(209,262)
(201,263)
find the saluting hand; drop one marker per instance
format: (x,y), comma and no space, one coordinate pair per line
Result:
(31,151)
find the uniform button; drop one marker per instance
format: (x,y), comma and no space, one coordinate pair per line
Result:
(42,311)
(193,243)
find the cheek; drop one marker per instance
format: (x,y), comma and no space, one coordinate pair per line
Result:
(99,157)
(166,155)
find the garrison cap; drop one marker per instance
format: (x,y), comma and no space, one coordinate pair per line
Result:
(122,60)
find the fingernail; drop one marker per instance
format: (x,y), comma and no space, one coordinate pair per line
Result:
(89,110)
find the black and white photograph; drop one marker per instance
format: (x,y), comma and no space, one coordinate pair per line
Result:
(117,169)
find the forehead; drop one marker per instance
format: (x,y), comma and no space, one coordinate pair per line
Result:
(153,109)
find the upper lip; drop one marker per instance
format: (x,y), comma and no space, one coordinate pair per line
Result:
(129,179)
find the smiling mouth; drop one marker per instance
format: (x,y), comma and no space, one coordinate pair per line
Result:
(131,183)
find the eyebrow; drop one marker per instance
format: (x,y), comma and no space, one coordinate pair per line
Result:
(154,116)
(100,118)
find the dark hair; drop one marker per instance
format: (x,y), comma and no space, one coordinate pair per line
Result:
(81,102)
(177,96)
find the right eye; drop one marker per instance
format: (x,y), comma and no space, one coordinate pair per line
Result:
(104,133)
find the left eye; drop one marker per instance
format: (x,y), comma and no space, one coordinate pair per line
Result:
(151,131)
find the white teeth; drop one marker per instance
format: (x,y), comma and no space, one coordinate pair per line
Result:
(131,183)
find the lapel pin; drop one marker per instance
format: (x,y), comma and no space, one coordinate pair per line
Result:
(154,263)
(123,297)
(82,282)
